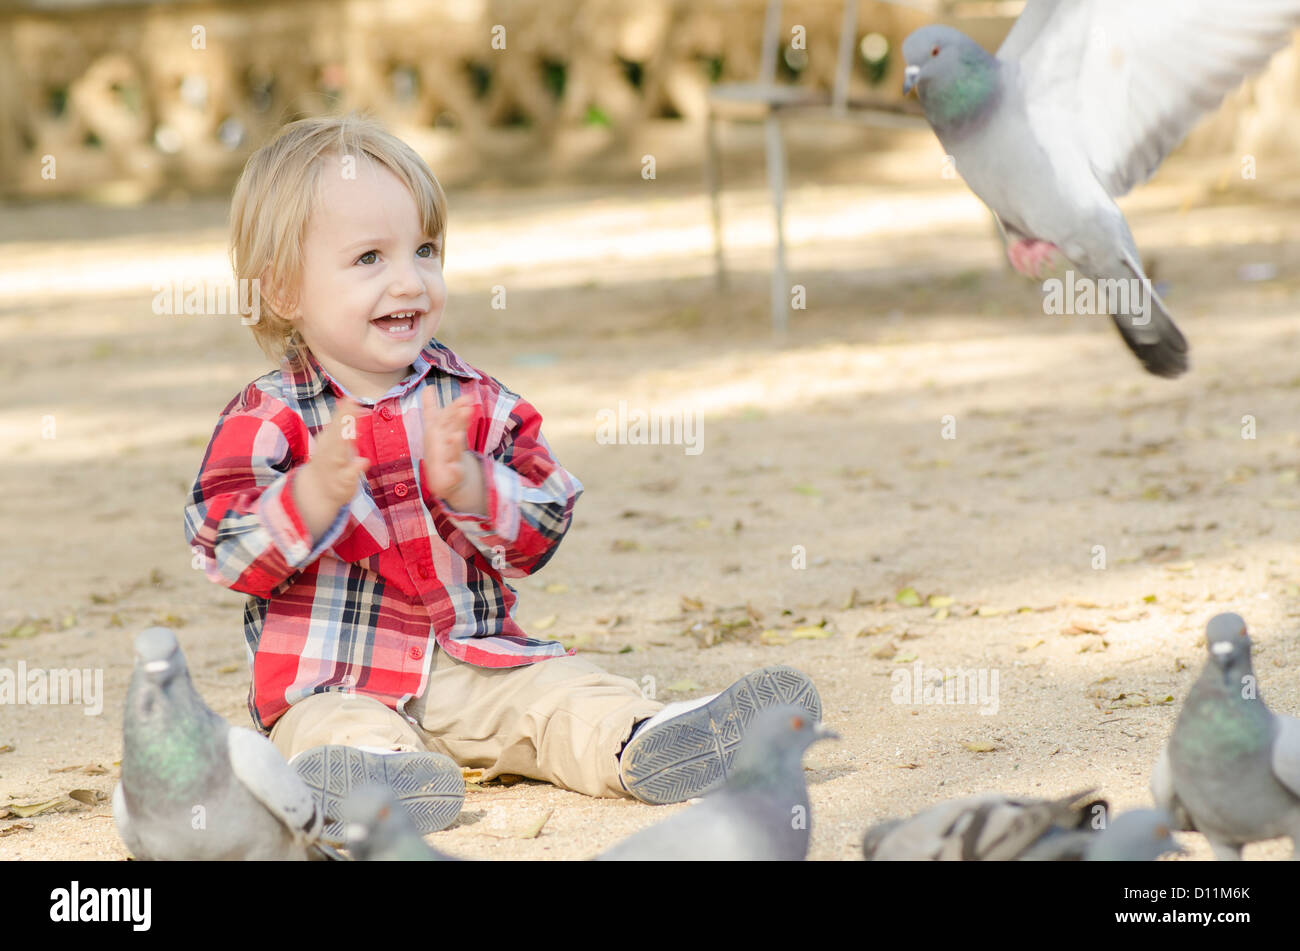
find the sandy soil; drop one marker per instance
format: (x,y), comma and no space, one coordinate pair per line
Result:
(830,445)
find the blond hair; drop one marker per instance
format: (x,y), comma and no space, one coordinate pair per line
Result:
(275,197)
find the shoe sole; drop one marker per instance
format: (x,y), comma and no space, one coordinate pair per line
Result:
(429,785)
(691,753)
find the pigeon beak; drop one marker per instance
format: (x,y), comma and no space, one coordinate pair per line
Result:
(910,76)
(823,732)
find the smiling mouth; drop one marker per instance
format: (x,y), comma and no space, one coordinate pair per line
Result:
(398,322)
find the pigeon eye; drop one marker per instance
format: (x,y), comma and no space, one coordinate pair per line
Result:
(796,723)
(935,51)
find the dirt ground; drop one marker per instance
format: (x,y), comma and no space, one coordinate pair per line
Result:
(824,489)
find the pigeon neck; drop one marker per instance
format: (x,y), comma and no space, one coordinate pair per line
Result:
(965,97)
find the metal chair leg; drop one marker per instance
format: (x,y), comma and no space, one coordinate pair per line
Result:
(776,182)
(713,181)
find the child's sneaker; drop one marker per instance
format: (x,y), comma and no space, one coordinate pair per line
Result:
(686,748)
(430,785)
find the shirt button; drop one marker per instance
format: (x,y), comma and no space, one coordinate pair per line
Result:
(400,490)
(385,412)
(416,653)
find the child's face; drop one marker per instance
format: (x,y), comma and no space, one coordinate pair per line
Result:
(365,257)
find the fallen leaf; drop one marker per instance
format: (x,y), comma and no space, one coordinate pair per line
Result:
(1075,628)
(533,830)
(702,523)
(627,544)
(7,748)
(810,633)
(545,623)
(772,636)
(986,611)
(66,769)
(1181,566)
(908,598)
(904,658)
(1081,603)
(851,601)
(230,668)
(1029,644)
(88,796)
(1128,700)
(692,604)
(16,827)
(527,829)
(873,631)
(25,810)
(940,615)
(885,651)
(907,766)
(803,488)
(1149,599)
(980,747)
(940,601)
(94,769)
(557,587)
(683,685)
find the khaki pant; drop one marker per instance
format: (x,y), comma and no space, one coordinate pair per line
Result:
(562,720)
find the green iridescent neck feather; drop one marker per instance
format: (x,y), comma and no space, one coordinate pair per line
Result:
(964,94)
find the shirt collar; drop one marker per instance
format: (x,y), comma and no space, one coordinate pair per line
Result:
(305,379)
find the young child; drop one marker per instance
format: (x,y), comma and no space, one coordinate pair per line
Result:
(371,495)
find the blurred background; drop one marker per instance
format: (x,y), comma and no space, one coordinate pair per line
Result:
(616,172)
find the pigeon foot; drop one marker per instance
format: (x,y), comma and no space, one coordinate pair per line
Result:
(1034,258)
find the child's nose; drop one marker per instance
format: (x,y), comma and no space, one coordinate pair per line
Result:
(405,279)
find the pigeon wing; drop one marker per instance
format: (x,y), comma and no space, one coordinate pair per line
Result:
(122,819)
(1132,79)
(1286,752)
(263,771)
(1162,792)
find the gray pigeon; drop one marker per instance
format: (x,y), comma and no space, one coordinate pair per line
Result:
(992,827)
(379,829)
(1141,835)
(983,828)
(1231,770)
(1082,102)
(193,786)
(760,813)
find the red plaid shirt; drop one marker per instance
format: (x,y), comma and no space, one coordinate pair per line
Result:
(363,607)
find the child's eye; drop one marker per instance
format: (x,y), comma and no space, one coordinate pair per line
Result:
(433,249)
(368,254)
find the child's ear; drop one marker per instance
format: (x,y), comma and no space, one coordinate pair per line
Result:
(285,305)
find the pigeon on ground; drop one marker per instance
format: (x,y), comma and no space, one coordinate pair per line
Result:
(760,813)
(1082,102)
(1140,835)
(987,827)
(193,786)
(1231,770)
(379,829)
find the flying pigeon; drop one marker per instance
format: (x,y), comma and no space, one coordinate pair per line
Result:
(379,829)
(1231,770)
(1083,101)
(987,827)
(761,812)
(193,786)
(994,827)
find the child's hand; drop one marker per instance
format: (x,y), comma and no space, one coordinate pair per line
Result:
(453,473)
(328,480)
